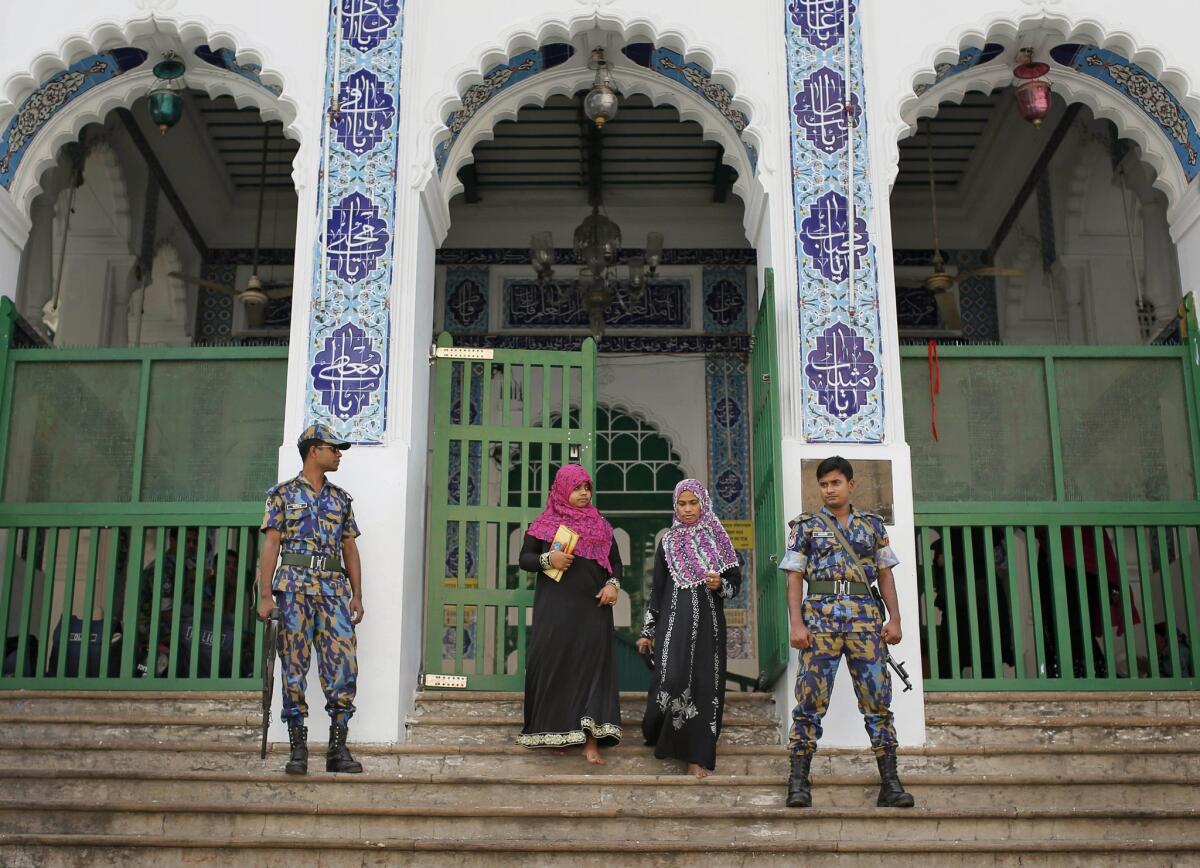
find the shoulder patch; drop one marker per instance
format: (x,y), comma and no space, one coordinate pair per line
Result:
(800,519)
(278,487)
(341,491)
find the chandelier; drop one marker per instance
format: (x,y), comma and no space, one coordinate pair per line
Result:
(597,239)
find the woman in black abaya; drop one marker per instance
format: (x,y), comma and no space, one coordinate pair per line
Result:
(695,570)
(570,677)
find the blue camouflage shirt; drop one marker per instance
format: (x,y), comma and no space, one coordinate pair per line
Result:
(813,550)
(310,523)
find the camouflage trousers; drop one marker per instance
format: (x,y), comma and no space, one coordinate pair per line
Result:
(306,620)
(872,684)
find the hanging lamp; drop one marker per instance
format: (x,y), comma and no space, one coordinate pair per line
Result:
(166,105)
(1033,94)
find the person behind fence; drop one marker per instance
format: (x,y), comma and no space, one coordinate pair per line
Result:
(841,552)
(318,591)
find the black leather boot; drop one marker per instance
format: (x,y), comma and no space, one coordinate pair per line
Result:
(891,793)
(297,763)
(799,794)
(337,758)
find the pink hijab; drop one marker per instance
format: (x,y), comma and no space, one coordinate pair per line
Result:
(595,533)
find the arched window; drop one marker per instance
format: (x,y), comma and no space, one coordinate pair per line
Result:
(636,468)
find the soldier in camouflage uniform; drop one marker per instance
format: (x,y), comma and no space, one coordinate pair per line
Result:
(310,529)
(839,617)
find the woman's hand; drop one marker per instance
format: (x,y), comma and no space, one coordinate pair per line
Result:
(713,580)
(607,596)
(561,560)
(645,646)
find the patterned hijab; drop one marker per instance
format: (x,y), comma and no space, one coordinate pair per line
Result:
(595,533)
(693,549)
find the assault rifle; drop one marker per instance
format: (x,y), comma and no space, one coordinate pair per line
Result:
(897,665)
(270,640)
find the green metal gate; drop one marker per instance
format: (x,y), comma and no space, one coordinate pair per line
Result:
(767,462)
(504,422)
(132,485)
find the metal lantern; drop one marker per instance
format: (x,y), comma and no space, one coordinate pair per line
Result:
(1033,94)
(166,106)
(597,241)
(600,104)
(541,255)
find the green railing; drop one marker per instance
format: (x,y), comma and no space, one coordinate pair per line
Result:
(770,603)
(102,598)
(1057,514)
(132,485)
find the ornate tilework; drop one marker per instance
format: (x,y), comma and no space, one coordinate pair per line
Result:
(724,300)
(695,78)
(726,389)
(565,255)
(666,304)
(465,308)
(968,58)
(613,343)
(214,310)
(349,329)
(1145,91)
(840,336)
(976,296)
(52,95)
(223,58)
(497,79)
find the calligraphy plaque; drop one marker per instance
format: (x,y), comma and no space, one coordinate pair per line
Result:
(837,290)
(349,327)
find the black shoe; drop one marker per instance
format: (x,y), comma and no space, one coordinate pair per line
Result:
(337,758)
(891,793)
(297,763)
(799,794)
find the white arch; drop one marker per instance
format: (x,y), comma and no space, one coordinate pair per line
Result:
(94,105)
(570,77)
(1042,31)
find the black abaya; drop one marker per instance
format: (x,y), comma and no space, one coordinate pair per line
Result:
(570,673)
(687,694)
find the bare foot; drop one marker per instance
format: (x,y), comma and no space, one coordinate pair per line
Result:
(698,771)
(591,752)
(558,751)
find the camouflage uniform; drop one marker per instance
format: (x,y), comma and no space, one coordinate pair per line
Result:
(842,625)
(314,604)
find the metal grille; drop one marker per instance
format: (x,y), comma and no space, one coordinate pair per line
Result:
(993,425)
(636,469)
(72,433)
(212,430)
(1124,425)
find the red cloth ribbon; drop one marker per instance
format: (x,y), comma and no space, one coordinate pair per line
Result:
(935,385)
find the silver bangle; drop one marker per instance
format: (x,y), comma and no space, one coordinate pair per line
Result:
(544,560)
(614,581)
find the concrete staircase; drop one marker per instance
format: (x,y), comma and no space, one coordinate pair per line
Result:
(1007,779)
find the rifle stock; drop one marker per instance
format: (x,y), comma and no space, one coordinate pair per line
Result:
(270,641)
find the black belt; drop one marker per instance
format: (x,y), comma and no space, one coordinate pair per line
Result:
(313,562)
(838,587)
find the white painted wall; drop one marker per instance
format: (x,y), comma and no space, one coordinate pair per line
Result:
(447,47)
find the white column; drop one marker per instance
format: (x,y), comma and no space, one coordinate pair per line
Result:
(14,232)
(37,275)
(1184,217)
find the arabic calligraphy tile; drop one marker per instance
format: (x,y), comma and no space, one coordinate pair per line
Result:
(365,112)
(842,370)
(367,23)
(820,22)
(347,371)
(358,237)
(725,307)
(820,110)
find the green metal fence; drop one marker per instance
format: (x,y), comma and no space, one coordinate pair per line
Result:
(1057,514)
(771,599)
(132,485)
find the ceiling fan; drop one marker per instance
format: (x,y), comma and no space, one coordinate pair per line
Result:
(940,280)
(256,294)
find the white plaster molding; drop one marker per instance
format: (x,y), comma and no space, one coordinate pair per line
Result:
(149,33)
(548,29)
(101,155)
(121,92)
(673,438)
(14,221)
(1183,214)
(1038,25)
(568,80)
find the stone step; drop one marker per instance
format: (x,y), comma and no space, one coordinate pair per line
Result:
(1063,761)
(221,820)
(273,851)
(561,788)
(997,706)
(130,727)
(99,704)
(738,706)
(951,729)
(499,729)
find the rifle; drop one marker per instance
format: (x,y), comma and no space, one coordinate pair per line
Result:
(888,659)
(270,640)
